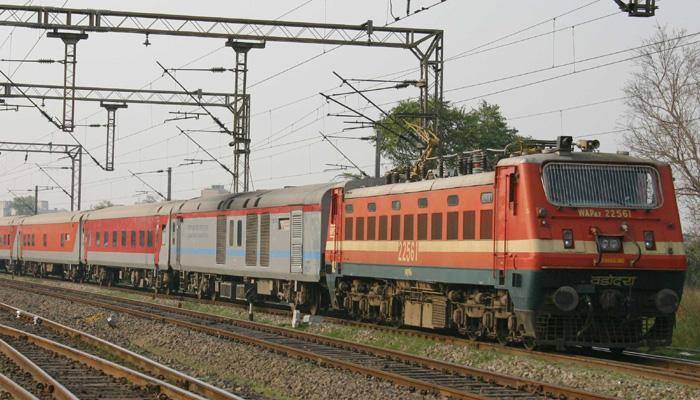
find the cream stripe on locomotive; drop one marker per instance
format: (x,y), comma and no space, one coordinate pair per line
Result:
(513,246)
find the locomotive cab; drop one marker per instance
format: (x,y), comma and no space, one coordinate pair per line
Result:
(589,247)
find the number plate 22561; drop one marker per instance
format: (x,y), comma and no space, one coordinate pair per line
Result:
(408,251)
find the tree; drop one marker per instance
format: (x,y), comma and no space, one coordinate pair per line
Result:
(23,205)
(460,130)
(664,109)
(103,204)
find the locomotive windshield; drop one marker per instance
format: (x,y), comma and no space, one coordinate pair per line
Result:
(602,185)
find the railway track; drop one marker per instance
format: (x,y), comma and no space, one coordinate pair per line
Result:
(42,368)
(663,368)
(429,376)
(48,329)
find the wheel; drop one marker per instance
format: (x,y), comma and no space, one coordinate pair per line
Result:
(617,351)
(502,339)
(530,343)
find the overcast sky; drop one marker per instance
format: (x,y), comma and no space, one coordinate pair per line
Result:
(286,142)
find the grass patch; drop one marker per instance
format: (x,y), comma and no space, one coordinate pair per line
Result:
(386,340)
(687,332)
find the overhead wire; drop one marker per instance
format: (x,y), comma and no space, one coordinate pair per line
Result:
(556,77)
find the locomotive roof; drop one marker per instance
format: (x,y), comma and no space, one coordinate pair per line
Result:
(485,178)
(541,158)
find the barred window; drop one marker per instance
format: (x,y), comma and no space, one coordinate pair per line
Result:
(601,185)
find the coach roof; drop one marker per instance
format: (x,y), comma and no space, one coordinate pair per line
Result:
(289,196)
(51,218)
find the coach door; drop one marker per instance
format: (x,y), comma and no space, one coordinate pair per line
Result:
(177,241)
(504,210)
(296,246)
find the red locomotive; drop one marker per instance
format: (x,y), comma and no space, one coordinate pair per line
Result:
(553,247)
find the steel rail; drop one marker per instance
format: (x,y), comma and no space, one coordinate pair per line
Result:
(107,367)
(149,310)
(649,366)
(145,364)
(15,390)
(646,365)
(57,390)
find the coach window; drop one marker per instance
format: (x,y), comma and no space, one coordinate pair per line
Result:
(453,200)
(239,233)
(423,202)
(396,205)
(142,239)
(486,197)
(46,239)
(150,239)
(106,241)
(33,242)
(408,227)
(383,227)
(436,226)
(63,240)
(486,228)
(349,208)
(468,225)
(452,226)
(230,233)
(114,239)
(133,239)
(348,228)
(360,229)
(372,207)
(98,242)
(124,239)
(395,227)
(422,226)
(371,228)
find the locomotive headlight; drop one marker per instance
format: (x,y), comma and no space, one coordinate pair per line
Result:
(666,301)
(609,244)
(649,240)
(568,238)
(566,298)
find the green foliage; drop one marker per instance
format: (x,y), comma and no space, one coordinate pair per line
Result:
(460,129)
(692,251)
(23,205)
(103,204)
(687,331)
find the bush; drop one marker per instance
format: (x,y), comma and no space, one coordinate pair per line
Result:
(692,251)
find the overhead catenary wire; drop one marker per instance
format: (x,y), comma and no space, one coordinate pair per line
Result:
(567,64)
(549,79)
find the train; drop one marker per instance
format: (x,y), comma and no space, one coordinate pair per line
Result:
(555,245)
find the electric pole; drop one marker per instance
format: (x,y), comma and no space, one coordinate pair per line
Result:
(377,152)
(170,183)
(36,200)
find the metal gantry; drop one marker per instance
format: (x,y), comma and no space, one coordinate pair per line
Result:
(115,98)
(242,35)
(72,151)
(70,62)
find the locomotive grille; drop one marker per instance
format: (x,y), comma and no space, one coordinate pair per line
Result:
(601,185)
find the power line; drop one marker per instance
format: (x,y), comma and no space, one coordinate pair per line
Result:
(568,64)
(576,107)
(565,75)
